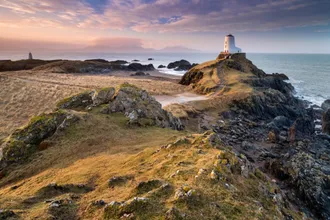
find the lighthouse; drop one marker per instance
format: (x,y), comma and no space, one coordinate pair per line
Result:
(229,46)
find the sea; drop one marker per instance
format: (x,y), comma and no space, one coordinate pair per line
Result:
(308,73)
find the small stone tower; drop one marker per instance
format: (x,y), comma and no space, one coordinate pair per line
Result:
(229,46)
(30,56)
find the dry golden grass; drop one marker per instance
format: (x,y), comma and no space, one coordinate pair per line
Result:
(103,147)
(28,93)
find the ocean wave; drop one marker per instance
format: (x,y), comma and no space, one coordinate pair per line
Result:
(171,71)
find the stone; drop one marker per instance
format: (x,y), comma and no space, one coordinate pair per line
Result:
(141,108)
(161,66)
(179,65)
(140,67)
(81,100)
(326,105)
(150,58)
(119,180)
(103,96)
(326,122)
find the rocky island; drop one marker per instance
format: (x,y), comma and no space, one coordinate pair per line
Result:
(250,150)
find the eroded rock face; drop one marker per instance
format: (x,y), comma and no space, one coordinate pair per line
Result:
(24,142)
(326,105)
(141,108)
(180,65)
(140,67)
(326,122)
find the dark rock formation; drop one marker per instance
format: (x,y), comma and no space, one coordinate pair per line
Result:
(326,122)
(161,66)
(119,62)
(140,67)
(150,58)
(326,105)
(179,65)
(281,76)
(98,60)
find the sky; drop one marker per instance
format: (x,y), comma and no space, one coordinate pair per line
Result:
(267,26)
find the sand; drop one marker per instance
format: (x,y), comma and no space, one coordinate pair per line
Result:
(24,94)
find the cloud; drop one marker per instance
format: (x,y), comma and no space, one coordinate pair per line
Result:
(171,15)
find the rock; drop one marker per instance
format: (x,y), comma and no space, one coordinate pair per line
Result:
(119,62)
(119,180)
(98,60)
(161,66)
(141,108)
(136,60)
(82,100)
(326,122)
(326,105)
(140,67)
(280,122)
(115,209)
(179,65)
(6,214)
(62,209)
(173,214)
(150,58)
(24,142)
(144,187)
(103,96)
(281,76)
(140,74)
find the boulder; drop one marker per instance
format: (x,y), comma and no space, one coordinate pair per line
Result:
(326,122)
(150,58)
(103,96)
(24,142)
(82,100)
(161,66)
(179,65)
(326,105)
(141,108)
(7,214)
(140,67)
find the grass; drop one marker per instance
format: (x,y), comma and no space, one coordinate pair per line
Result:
(103,146)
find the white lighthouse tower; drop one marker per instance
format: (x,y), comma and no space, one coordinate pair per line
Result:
(229,46)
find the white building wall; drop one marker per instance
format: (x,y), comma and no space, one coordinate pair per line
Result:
(229,45)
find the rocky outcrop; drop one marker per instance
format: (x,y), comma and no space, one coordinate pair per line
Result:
(326,105)
(161,66)
(326,122)
(140,67)
(141,108)
(24,142)
(81,100)
(181,65)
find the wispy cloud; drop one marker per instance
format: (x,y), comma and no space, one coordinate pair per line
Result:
(175,15)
